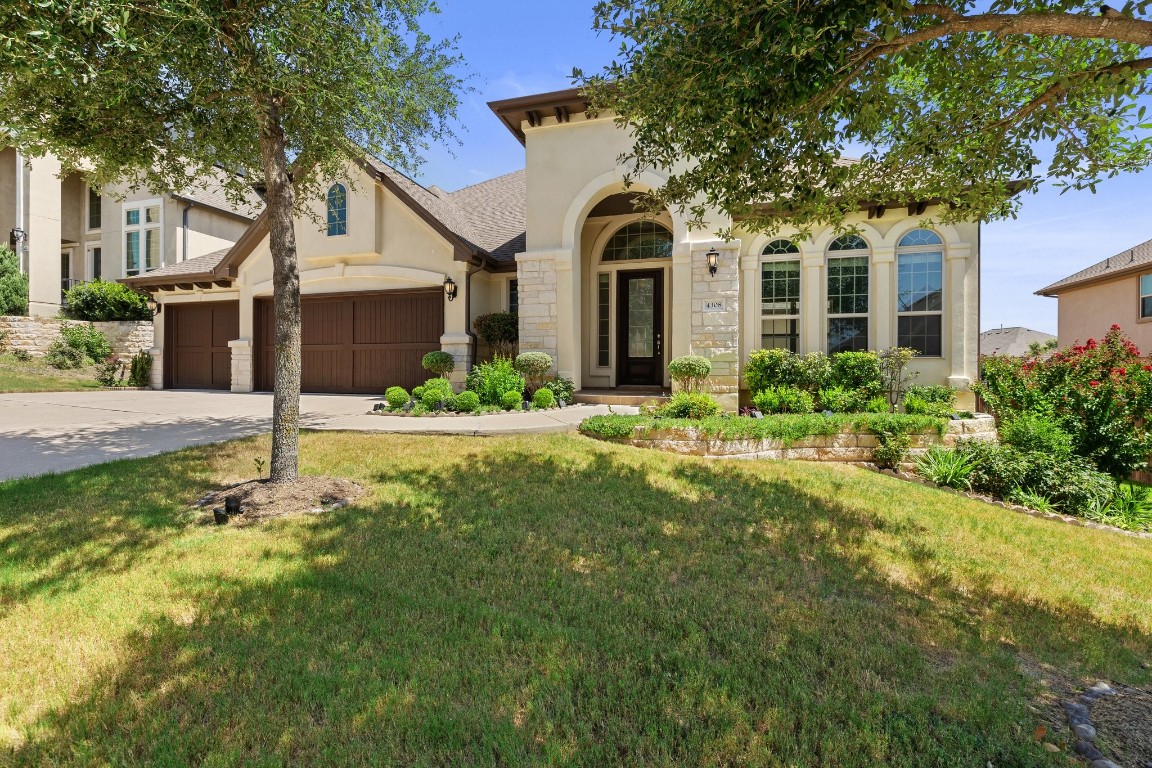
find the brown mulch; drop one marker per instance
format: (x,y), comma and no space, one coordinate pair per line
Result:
(1124,726)
(261,499)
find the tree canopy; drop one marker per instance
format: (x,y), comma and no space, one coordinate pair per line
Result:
(954,102)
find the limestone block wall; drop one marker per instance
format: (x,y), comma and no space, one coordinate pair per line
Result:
(459,345)
(538,313)
(715,327)
(35,334)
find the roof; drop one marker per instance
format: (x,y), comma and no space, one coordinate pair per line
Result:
(1011,342)
(201,265)
(210,192)
(533,109)
(1131,260)
(496,211)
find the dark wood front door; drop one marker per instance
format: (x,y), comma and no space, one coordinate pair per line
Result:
(196,344)
(358,343)
(640,328)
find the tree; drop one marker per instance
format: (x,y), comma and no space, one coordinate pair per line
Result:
(954,101)
(281,93)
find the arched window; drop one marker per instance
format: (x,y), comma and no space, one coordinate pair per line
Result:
(848,288)
(337,210)
(780,296)
(920,292)
(639,240)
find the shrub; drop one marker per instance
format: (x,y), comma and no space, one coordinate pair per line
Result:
(140,370)
(856,371)
(917,405)
(22,355)
(64,357)
(103,301)
(110,372)
(467,402)
(88,339)
(438,363)
(877,404)
(893,449)
(784,400)
(936,394)
(689,405)
(562,387)
(840,400)
(1033,432)
(1071,483)
(947,468)
(532,365)
(13,284)
(893,379)
(1032,500)
(511,400)
(689,371)
(491,380)
(768,368)
(544,398)
(499,330)
(397,397)
(437,395)
(417,393)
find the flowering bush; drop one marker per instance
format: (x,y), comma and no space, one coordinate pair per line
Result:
(1099,393)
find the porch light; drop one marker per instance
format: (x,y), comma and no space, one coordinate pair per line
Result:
(450,288)
(713,261)
(154,306)
(18,235)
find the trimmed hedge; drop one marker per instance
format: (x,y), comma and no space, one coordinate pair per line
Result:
(785,427)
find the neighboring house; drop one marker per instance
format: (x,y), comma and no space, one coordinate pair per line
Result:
(611,294)
(67,232)
(1012,342)
(1116,291)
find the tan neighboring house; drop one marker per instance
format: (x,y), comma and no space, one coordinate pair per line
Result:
(67,232)
(1115,291)
(612,295)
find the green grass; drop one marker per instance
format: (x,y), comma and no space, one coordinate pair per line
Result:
(545,600)
(37,376)
(788,428)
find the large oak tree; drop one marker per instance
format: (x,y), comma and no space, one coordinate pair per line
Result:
(282,94)
(953,101)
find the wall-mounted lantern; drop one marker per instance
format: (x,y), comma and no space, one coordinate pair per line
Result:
(154,306)
(450,288)
(713,261)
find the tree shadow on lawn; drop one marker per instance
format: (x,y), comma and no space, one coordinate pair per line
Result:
(538,607)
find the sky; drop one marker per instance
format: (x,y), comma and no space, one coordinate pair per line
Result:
(520,47)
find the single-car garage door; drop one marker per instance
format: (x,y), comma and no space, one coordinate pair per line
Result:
(196,343)
(357,343)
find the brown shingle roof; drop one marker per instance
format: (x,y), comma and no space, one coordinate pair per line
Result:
(201,265)
(209,192)
(1126,261)
(496,213)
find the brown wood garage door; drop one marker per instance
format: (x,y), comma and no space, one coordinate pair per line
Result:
(358,343)
(196,344)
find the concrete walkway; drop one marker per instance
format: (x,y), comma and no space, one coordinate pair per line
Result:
(56,432)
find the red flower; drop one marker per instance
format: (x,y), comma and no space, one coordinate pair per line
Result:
(1115,326)
(1093,383)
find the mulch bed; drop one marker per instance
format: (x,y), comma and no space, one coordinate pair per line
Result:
(1124,724)
(262,499)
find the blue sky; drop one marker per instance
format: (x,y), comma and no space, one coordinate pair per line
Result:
(520,47)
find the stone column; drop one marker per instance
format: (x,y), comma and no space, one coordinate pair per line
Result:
(539,312)
(242,372)
(882,304)
(44,236)
(157,367)
(459,345)
(716,324)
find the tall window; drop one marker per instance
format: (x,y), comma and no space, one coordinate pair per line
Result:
(514,296)
(848,294)
(1145,297)
(919,292)
(780,296)
(142,237)
(337,210)
(603,306)
(93,208)
(639,240)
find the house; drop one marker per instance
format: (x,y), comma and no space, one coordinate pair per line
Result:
(1115,291)
(67,232)
(610,293)
(1012,342)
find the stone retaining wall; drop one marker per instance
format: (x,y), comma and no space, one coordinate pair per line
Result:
(849,446)
(35,334)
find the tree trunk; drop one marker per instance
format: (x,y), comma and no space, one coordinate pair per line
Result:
(281,199)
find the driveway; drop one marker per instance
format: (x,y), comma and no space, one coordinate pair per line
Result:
(56,432)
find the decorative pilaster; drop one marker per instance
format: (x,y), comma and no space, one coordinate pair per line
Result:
(459,345)
(157,355)
(716,318)
(242,374)
(537,288)
(883,299)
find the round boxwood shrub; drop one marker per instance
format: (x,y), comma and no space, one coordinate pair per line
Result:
(418,393)
(784,400)
(689,371)
(467,402)
(543,398)
(101,301)
(533,365)
(397,397)
(511,400)
(689,405)
(438,363)
(438,400)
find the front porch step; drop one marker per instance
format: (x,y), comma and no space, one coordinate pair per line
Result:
(621,397)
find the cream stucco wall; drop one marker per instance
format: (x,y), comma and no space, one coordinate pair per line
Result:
(1089,311)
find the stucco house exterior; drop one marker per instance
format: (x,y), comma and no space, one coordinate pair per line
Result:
(610,293)
(67,232)
(1115,291)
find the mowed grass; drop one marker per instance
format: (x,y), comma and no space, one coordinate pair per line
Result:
(545,600)
(37,376)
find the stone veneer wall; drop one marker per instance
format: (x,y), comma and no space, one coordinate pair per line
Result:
(716,319)
(35,334)
(537,289)
(847,446)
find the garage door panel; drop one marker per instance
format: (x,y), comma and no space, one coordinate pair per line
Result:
(225,325)
(322,323)
(197,355)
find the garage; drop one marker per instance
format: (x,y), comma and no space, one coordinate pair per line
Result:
(196,343)
(356,343)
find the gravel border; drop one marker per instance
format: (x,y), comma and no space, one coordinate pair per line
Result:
(1080,721)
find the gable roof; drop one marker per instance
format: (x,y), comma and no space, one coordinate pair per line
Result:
(496,211)
(1134,259)
(1011,342)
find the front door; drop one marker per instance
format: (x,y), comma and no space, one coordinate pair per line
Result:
(640,328)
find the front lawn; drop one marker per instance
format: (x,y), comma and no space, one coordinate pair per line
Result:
(37,376)
(546,600)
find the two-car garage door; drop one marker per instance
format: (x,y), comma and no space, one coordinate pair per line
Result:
(350,343)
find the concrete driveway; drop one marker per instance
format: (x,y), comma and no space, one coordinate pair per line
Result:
(56,432)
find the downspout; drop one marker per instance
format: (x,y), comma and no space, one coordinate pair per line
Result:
(22,247)
(468,313)
(187,207)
